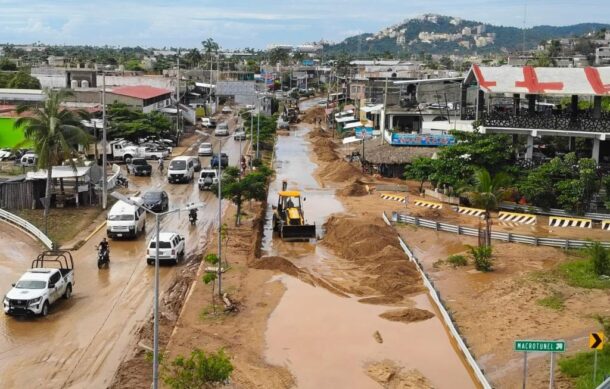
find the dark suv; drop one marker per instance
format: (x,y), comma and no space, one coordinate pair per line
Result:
(140,167)
(224,160)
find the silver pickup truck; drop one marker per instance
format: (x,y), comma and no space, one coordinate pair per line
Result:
(50,278)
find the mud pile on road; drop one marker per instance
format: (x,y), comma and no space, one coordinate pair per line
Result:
(276,263)
(356,188)
(389,375)
(373,245)
(407,315)
(313,115)
(325,149)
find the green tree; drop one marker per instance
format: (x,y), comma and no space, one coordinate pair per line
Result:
(420,169)
(55,133)
(193,57)
(210,47)
(200,370)
(134,65)
(22,80)
(253,186)
(5,65)
(482,258)
(126,122)
(279,55)
(210,277)
(486,193)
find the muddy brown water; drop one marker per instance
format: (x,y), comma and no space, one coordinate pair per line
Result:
(326,340)
(83,340)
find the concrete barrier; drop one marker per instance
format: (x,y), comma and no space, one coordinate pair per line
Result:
(471,211)
(523,218)
(428,204)
(557,221)
(392,197)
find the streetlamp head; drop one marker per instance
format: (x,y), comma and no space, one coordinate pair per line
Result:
(123,198)
(197,205)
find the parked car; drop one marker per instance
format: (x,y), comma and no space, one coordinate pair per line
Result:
(156,200)
(41,286)
(224,160)
(140,167)
(205,149)
(29,159)
(222,130)
(207,178)
(6,154)
(250,107)
(239,134)
(226,109)
(171,248)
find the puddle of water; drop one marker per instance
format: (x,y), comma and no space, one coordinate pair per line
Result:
(326,340)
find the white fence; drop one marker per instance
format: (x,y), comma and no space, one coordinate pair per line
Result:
(503,236)
(435,295)
(27,226)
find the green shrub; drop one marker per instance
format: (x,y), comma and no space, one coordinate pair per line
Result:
(457,260)
(598,255)
(580,273)
(198,371)
(554,301)
(482,258)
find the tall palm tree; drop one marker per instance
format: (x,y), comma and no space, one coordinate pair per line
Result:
(55,133)
(486,193)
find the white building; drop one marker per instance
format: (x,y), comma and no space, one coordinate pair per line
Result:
(602,55)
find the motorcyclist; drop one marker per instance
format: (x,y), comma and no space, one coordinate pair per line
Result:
(104,249)
(193,215)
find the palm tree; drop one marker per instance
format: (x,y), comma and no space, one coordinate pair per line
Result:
(54,132)
(486,193)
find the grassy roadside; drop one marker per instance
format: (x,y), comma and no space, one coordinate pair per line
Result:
(64,223)
(580,368)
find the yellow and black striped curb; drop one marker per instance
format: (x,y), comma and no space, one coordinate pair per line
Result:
(556,221)
(399,198)
(428,204)
(523,218)
(471,211)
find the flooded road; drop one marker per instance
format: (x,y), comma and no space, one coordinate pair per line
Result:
(82,341)
(326,340)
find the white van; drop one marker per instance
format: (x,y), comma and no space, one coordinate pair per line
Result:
(29,159)
(181,169)
(125,220)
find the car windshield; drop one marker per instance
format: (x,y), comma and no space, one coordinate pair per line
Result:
(208,174)
(121,217)
(223,126)
(177,165)
(138,162)
(162,245)
(205,146)
(152,196)
(30,284)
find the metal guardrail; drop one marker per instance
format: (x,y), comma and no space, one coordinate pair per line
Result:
(27,226)
(451,326)
(605,384)
(503,236)
(553,211)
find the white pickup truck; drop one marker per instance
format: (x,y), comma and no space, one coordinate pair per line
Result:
(50,278)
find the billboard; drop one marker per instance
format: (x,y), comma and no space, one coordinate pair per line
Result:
(401,139)
(366,132)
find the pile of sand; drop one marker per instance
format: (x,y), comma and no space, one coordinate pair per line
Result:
(356,188)
(277,263)
(340,171)
(389,375)
(317,132)
(407,315)
(312,114)
(374,246)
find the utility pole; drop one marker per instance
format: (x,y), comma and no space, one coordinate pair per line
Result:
(178,101)
(258,125)
(385,101)
(220,218)
(104,177)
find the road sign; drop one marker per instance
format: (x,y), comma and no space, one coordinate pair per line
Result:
(596,340)
(550,346)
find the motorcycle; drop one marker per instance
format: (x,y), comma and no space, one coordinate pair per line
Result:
(122,181)
(103,257)
(193,218)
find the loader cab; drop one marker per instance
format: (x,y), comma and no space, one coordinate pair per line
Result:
(289,199)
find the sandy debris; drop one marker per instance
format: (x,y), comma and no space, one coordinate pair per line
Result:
(408,315)
(391,376)
(356,188)
(377,337)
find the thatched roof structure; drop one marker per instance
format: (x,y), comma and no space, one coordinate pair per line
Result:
(377,153)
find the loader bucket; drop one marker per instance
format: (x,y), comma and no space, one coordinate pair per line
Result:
(304,232)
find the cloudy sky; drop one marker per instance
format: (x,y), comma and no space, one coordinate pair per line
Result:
(256,23)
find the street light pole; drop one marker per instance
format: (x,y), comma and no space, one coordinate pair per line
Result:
(251,131)
(385,101)
(219,275)
(258,125)
(104,176)
(158,215)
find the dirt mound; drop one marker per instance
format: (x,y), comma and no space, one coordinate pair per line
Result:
(318,132)
(322,142)
(277,263)
(427,213)
(356,238)
(408,315)
(391,376)
(381,300)
(340,172)
(313,114)
(356,188)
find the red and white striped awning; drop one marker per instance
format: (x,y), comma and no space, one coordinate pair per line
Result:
(541,81)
